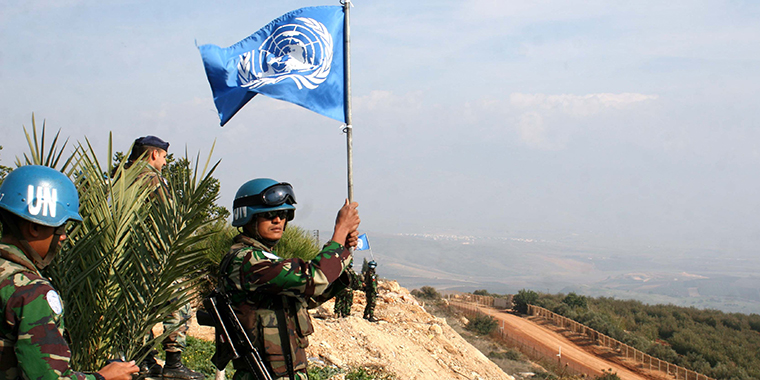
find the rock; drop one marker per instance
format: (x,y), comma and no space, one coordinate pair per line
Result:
(435,330)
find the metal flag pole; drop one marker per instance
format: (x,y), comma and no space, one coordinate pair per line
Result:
(347,99)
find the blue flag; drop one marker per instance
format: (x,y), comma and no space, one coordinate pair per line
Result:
(297,58)
(363,243)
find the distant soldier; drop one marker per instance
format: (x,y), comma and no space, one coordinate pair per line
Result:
(370,290)
(345,299)
(150,152)
(36,203)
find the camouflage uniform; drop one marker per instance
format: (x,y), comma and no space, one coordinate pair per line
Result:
(32,344)
(271,295)
(370,290)
(179,320)
(345,298)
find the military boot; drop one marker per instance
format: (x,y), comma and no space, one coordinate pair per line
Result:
(149,367)
(174,369)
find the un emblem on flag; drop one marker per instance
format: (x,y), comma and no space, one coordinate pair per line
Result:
(301,51)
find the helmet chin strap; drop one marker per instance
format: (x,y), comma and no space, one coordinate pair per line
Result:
(38,260)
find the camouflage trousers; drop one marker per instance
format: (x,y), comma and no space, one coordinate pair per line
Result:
(245,375)
(369,310)
(179,322)
(343,302)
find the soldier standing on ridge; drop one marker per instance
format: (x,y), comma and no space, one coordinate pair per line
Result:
(370,290)
(345,298)
(270,294)
(153,151)
(36,203)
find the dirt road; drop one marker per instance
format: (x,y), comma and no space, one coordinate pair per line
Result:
(540,336)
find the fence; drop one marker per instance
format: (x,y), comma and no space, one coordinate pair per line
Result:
(645,361)
(622,349)
(529,347)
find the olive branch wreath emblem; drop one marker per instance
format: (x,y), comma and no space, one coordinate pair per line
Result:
(247,75)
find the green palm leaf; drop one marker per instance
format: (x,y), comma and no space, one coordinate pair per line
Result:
(135,258)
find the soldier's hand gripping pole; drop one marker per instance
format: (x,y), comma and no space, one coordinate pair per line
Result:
(232,342)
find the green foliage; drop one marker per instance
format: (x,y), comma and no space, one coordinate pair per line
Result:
(133,253)
(369,373)
(509,354)
(197,356)
(482,324)
(575,301)
(4,170)
(523,298)
(353,373)
(297,242)
(481,292)
(322,372)
(608,375)
(722,346)
(427,292)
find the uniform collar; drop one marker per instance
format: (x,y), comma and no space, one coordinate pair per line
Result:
(247,240)
(14,254)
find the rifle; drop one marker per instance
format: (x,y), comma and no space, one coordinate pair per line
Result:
(232,342)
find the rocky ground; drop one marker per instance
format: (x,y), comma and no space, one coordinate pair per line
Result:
(408,341)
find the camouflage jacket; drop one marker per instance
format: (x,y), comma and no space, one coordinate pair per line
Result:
(266,291)
(370,282)
(155,180)
(32,345)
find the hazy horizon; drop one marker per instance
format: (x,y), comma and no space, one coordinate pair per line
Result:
(597,123)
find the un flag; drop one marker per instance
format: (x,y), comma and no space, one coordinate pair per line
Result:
(297,58)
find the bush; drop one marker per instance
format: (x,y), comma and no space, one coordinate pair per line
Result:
(427,292)
(482,324)
(608,376)
(509,354)
(523,298)
(369,373)
(322,373)
(573,300)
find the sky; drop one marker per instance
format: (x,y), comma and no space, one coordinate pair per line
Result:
(606,121)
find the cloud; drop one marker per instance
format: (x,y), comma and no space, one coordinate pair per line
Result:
(578,105)
(549,121)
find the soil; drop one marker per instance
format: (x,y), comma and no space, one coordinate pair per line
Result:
(407,341)
(413,344)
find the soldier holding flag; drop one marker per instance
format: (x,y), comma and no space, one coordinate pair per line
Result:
(270,295)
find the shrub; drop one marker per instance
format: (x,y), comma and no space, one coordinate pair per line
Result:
(608,375)
(369,373)
(427,292)
(523,298)
(482,324)
(509,354)
(573,300)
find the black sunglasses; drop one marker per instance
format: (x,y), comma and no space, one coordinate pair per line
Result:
(282,214)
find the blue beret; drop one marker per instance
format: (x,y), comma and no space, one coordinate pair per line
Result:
(152,141)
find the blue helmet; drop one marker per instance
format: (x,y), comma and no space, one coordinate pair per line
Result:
(372,264)
(40,195)
(262,195)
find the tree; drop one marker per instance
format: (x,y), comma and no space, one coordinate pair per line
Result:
(132,261)
(523,298)
(575,301)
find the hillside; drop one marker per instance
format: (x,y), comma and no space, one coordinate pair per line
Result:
(408,341)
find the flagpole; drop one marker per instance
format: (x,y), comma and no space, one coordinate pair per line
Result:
(347,99)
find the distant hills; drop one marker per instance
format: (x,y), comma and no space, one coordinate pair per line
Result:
(684,277)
